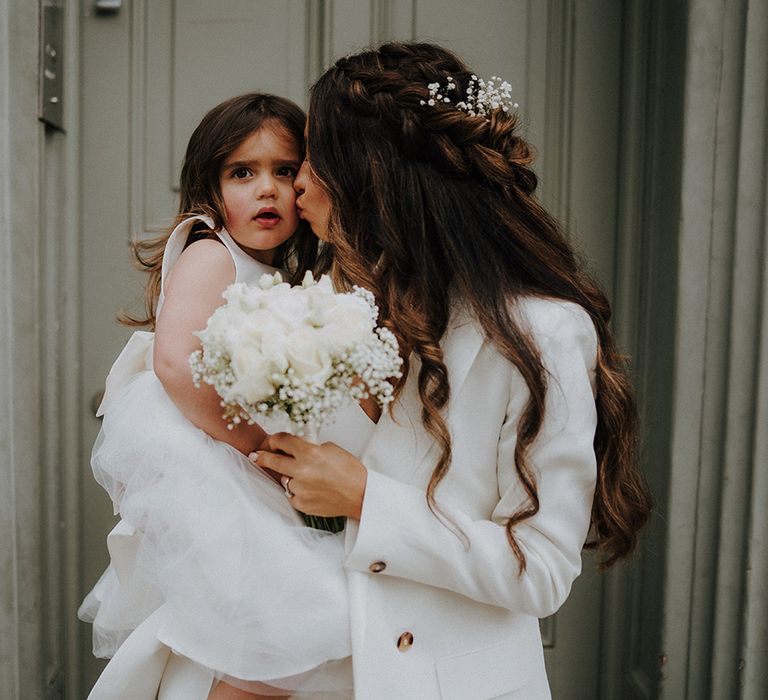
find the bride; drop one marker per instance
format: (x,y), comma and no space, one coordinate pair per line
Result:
(513,434)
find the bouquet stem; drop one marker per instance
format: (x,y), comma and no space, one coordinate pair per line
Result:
(310,433)
(321,522)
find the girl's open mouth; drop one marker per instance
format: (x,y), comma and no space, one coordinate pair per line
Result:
(267,218)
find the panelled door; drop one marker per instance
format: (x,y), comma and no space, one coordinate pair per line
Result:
(150,70)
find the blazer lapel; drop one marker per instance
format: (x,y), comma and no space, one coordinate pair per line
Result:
(461,343)
(400,445)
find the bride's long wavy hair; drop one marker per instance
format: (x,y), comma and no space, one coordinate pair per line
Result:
(430,201)
(219,133)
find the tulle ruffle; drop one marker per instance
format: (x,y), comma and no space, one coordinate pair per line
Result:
(247,589)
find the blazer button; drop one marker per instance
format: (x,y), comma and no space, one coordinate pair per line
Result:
(405,642)
(377,567)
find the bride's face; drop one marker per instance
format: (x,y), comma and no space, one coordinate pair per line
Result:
(313,202)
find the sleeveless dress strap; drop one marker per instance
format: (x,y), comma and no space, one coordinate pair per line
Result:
(246,268)
(174,247)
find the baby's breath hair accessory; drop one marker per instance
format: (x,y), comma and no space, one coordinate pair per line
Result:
(482,97)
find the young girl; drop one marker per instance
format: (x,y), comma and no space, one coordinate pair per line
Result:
(209,558)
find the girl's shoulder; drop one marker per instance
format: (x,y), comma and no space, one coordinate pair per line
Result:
(204,258)
(205,250)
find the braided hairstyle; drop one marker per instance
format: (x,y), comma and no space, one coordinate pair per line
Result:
(432,206)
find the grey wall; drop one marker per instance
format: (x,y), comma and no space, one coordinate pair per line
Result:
(695,199)
(20,143)
(715,630)
(38,362)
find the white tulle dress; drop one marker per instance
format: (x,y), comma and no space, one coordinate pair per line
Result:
(209,559)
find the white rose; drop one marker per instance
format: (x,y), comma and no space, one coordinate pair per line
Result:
(238,298)
(308,280)
(322,292)
(273,347)
(289,308)
(256,322)
(253,372)
(325,284)
(350,324)
(235,291)
(220,325)
(319,308)
(306,353)
(267,281)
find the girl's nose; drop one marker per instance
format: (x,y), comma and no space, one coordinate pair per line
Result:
(299,182)
(266,187)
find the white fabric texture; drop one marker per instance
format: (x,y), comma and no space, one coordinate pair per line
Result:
(209,559)
(471,614)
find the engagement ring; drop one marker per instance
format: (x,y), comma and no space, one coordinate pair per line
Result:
(286,482)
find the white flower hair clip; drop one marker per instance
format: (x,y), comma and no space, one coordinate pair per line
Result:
(481,99)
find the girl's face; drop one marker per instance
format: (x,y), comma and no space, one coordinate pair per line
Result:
(256,182)
(313,203)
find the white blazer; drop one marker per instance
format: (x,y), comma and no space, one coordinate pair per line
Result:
(434,616)
(437,617)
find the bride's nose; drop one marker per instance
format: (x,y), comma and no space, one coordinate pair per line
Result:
(300,181)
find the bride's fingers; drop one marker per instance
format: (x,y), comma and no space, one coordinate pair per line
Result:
(271,473)
(282,464)
(282,442)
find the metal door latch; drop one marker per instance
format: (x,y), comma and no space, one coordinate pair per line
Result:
(52,65)
(107,7)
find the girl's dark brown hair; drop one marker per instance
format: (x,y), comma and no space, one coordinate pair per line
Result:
(429,202)
(219,133)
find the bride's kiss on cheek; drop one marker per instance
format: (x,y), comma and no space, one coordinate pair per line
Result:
(313,202)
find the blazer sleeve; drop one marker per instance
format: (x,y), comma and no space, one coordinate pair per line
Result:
(398,535)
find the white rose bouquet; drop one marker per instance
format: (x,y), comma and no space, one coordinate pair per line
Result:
(301,351)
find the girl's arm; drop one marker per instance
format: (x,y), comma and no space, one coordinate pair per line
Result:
(397,534)
(192,293)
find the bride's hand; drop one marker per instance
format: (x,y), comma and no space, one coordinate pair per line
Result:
(325,479)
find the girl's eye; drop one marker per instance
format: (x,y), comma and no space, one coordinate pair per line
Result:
(240,173)
(286,171)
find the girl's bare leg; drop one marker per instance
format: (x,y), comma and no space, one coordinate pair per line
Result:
(225,691)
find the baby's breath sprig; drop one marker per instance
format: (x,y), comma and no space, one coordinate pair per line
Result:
(481,98)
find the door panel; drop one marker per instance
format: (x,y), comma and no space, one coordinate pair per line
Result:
(152,70)
(224,48)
